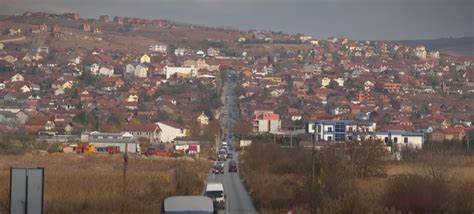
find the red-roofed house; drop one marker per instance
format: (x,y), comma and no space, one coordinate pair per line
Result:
(266,121)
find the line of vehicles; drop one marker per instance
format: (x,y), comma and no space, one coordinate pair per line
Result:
(212,201)
(214,197)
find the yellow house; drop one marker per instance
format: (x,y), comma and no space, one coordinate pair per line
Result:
(274,79)
(67,84)
(325,81)
(203,119)
(145,59)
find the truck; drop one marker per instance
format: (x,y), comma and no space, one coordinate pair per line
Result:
(215,191)
(187,204)
(108,149)
(160,150)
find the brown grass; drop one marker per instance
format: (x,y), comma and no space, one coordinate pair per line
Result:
(278,180)
(93,183)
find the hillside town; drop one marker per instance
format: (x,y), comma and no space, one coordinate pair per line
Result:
(64,79)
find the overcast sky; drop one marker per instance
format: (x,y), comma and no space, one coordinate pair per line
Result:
(357,19)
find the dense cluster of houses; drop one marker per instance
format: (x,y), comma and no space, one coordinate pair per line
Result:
(170,91)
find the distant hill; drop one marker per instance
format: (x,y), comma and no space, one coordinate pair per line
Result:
(462,46)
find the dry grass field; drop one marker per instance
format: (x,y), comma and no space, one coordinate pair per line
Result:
(93,183)
(279,180)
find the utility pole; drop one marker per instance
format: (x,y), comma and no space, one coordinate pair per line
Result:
(124,175)
(291,139)
(467,143)
(313,172)
(125,166)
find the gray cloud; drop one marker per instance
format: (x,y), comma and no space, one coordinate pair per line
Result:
(358,19)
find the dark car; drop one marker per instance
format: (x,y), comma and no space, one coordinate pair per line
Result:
(230,155)
(218,168)
(232,166)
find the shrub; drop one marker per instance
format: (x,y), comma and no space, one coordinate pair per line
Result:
(416,194)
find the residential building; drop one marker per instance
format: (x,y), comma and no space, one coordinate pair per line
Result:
(413,140)
(170,131)
(148,131)
(180,71)
(160,48)
(340,130)
(266,121)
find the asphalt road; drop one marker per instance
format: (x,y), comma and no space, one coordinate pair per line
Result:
(238,199)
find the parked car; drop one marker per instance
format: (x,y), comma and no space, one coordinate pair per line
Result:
(215,191)
(232,166)
(230,155)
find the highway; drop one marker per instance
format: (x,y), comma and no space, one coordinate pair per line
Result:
(238,199)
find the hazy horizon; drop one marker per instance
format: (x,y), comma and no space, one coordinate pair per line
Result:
(356,19)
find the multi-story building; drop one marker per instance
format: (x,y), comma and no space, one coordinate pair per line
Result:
(266,121)
(340,130)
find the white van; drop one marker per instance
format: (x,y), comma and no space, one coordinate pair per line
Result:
(187,204)
(215,191)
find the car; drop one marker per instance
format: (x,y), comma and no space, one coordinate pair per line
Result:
(218,168)
(232,166)
(230,156)
(215,191)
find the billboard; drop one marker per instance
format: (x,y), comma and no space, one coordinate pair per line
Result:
(26,190)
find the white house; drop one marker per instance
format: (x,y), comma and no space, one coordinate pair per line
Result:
(25,89)
(414,140)
(105,71)
(94,68)
(368,85)
(420,52)
(180,51)
(17,78)
(213,52)
(148,131)
(160,48)
(137,70)
(188,71)
(170,131)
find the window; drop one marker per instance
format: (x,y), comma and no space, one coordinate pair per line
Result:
(405,140)
(386,140)
(339,137)
(319,128)
(395,139)
(329,129)
(350,129)
(340,127)
(319,137)
(329,138)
